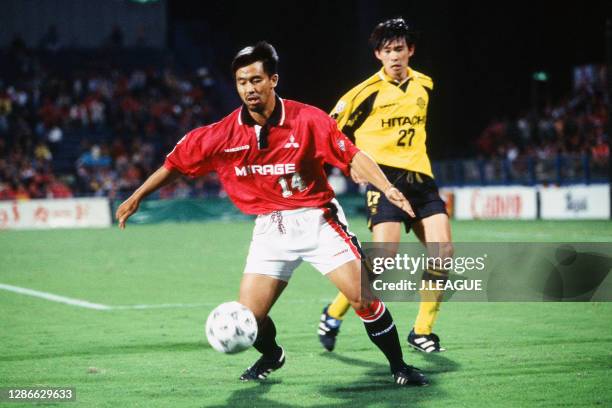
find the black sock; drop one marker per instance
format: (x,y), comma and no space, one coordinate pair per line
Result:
(383,333)
(266,340)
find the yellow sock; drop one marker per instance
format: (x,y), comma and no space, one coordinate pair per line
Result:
(429,307)
(338,307)
(428,312)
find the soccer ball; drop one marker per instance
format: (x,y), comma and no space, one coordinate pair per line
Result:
(231,327)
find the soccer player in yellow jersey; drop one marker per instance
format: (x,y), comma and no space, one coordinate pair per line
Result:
(386,115)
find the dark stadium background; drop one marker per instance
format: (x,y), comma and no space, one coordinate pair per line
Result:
(490,121)
(481,54)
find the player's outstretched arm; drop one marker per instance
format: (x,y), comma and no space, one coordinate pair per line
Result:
(156,180)
(367,168)
(357,178)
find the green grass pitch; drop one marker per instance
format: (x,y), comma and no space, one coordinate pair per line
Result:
(499,354)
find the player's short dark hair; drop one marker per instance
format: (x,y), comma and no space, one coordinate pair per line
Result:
(262,51)
(389,30)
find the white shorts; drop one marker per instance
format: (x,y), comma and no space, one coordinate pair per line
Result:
(283,239)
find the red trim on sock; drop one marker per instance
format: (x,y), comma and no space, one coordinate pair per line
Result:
(372,312)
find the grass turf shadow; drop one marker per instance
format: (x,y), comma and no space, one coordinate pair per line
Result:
(376,388)
(437,363)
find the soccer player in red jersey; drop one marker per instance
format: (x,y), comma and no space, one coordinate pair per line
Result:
(270,155)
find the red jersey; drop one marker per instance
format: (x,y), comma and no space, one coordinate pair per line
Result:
(279,166)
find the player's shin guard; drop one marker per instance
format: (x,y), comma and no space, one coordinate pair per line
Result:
(266,339)
(430,302)
(382,331)
(338,308)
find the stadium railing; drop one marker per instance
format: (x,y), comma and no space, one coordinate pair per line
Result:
(562,169)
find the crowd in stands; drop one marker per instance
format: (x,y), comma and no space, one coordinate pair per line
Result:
(120,123)
(575,126)
(123,123)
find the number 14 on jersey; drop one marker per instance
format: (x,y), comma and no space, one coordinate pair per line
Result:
(288,187)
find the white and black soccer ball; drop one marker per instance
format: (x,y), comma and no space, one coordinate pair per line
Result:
(231,328)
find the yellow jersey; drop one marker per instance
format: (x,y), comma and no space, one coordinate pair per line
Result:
(386,119)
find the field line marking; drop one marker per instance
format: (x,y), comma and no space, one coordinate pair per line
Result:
(98,306)
(54,298)
(161,306)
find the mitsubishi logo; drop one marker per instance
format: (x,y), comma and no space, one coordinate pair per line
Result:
(291,143)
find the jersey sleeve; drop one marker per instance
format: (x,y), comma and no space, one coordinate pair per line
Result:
(336,149)
(355,106)
(342,110)
(424,80)
(193,154)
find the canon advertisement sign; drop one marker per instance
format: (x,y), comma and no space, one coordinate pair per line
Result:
(495,203)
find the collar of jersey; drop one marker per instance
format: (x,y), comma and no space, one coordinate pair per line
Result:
(383,75)
(277,118)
